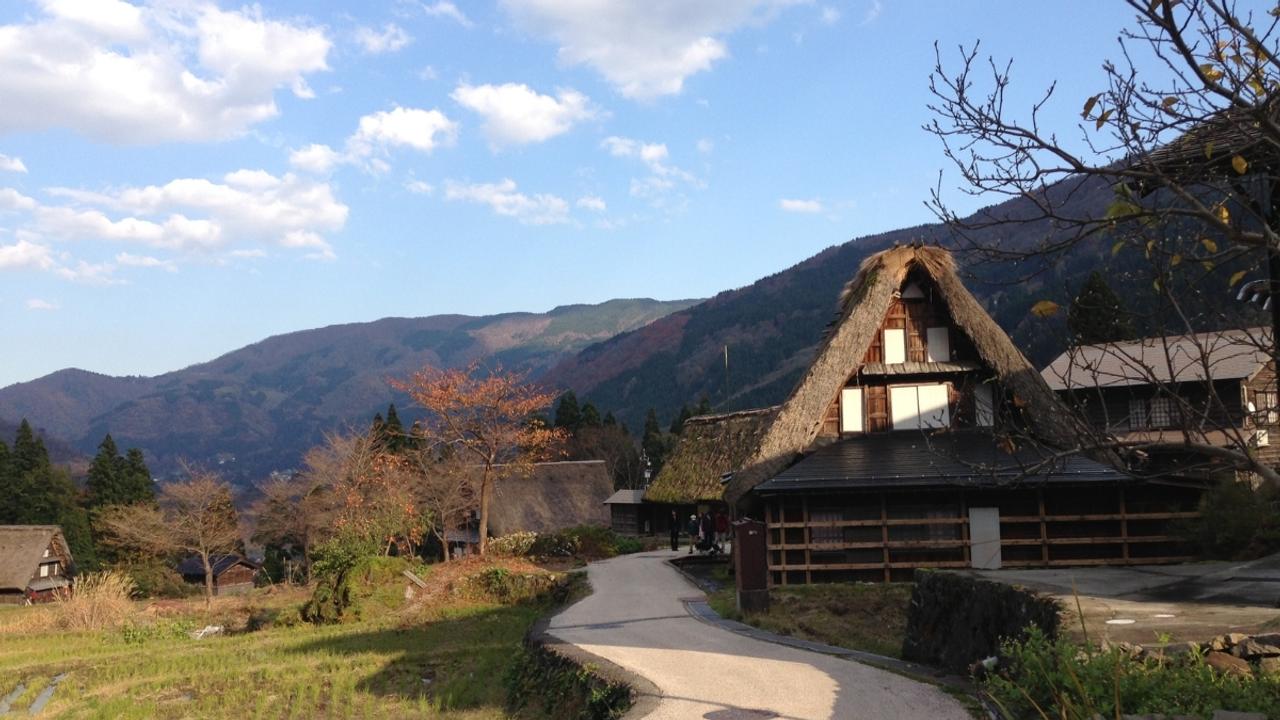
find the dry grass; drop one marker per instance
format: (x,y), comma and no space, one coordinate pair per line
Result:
(100,601)
(871,617)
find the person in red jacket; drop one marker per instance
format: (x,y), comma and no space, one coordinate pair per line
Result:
(722,527)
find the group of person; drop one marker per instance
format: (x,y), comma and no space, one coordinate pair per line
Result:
(707,532)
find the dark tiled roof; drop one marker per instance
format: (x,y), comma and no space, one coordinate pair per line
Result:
(913,459)
(220,563)
(1218,355)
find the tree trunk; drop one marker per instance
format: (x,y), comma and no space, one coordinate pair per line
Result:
(486,490)
(208,581)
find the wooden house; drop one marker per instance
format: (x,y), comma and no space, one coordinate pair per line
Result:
(35,563)
(232,574)
(921,437)
(1213,388)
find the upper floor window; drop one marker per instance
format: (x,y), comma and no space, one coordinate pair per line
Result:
(1266,410)
(1148,413)
(914,407)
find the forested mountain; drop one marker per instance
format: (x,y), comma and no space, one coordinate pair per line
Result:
(259,408)
(773,326)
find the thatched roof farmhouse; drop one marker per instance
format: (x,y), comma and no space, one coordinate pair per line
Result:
(34,563)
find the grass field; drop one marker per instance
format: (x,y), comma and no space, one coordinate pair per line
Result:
(447,662)
(860,616)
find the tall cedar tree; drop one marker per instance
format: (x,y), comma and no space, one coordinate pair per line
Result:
(394,430)
(653,442)
(116,480)
(590,417)
(568,413)
(33,492)
(485,417)
(1097,315)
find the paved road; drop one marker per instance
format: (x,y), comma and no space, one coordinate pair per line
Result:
(635,618)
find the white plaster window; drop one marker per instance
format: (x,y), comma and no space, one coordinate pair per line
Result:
(937,346)
(914,407)
(44,571)
(895,346)
(851,410)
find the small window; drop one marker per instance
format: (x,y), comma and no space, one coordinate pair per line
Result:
(1161,412)
(895,346)
(937,345)
(915,407)
(44,571)
(1265,407)
(1138,415)
(851,410)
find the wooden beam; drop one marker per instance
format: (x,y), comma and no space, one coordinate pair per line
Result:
(877,566)
(1107,516)
(884,536)
(808,536)
(878,523)
(1044,528)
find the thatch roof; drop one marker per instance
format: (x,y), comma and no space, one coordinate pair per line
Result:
(710,446)
(21,549)
(863,306)
(553,496)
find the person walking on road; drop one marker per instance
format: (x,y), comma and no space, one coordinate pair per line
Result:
(675,530)
(692,528)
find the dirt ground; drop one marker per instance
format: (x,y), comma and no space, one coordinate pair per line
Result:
(1160,603)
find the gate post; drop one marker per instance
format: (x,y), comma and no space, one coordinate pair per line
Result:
(751,565)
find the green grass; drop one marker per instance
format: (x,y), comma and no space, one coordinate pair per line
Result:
(871,617)
(365,669)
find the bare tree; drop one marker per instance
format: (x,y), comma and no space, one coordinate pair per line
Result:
(1183,141)
(195,516)
(486,417)
(297,510)
(446,490)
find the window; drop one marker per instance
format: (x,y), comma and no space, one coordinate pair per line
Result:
(1265,407)
(851,410)
(895,346)
(44,570)
(913,407)
(1160,412)
(937,346)
(1138,415)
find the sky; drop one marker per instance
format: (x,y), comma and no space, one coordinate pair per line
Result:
(180,178)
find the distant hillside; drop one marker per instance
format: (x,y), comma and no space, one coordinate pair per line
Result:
(773,326)
(259,408)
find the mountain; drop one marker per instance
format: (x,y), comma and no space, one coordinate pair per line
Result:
(773,326)
(259,408)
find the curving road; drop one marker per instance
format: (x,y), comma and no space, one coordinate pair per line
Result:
(635,619)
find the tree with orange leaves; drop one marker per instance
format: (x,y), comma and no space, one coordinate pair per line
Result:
(486,418)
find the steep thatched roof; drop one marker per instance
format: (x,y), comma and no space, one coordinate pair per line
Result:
(21,549)
(710,446)
(863,306)
(553,496)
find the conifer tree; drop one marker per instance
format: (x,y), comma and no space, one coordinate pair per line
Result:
(609,419)
(590,416)
(1097,315)
(568,414)
(393,430)
(139,486)
(704,406)
(654,443)
(103,482)
(677,425)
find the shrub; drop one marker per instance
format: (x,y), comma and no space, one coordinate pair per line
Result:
(557,544)
(514,545)
(1236,522)
(500,585)
(1042,678)
(98,601)
(155,579)
(137,634)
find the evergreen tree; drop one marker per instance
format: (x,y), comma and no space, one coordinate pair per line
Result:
(33,492)
(609,419)
(29,452)
(394,430)
(677,425)
(654,443)
(590,416)
(704,406)
(568,414)
(377,430)
(103,482)
(1097,315)
(139,485)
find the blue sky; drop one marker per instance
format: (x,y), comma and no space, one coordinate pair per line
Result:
(183,177)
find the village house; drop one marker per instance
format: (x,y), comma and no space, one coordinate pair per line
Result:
(35,563)
(232,574)
(921,437)
(550,496)
(1212,388)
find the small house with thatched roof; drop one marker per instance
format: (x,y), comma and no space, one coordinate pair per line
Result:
(34,563)
(921,437)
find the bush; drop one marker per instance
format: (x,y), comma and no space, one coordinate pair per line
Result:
(500,585)
(155,579)
(513,545)
(1237,522)
(351,581)
(1042,678)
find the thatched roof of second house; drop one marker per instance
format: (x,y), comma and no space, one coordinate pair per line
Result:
(710,447)
(863,306)
(21,550)
(552,496)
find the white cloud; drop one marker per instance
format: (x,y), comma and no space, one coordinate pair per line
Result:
(873,12)
(514,114)
(144,261)
(419,187)
(446,9)
(503,199)
(12,164)
(154,73)
(38,304)
(705,146)
(11,199)
(87,273)
(801,206)
(409,127)
(663,177)
(25,254)
(390,39)
(644,48)
(247,254)
(428,73)
(315,158)
(830,15)
(592,202)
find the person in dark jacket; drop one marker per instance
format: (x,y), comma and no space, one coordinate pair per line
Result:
(675,530)
(692,528)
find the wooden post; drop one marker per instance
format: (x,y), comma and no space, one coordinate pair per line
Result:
(1124,528)
(1044,529)
(808,538)
(884,536)
(964,529)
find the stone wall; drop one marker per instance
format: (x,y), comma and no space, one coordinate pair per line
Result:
(956,620)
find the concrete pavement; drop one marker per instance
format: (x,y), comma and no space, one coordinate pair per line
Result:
(635,618)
